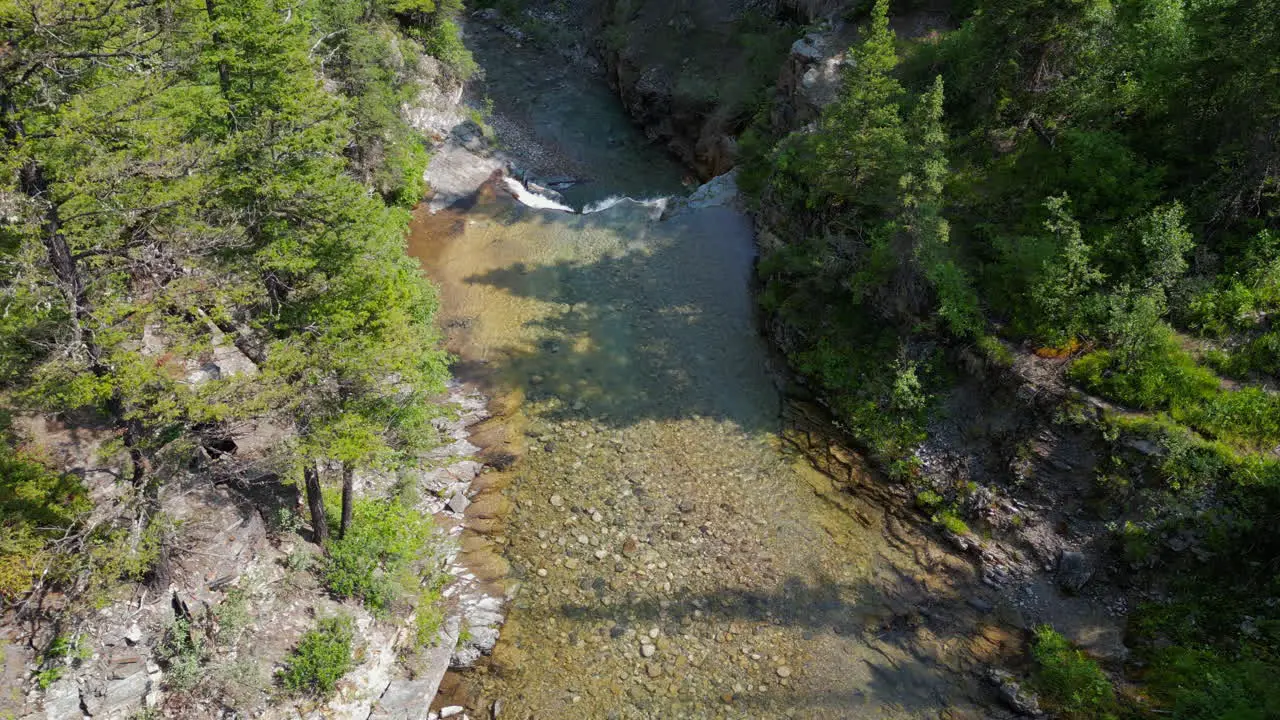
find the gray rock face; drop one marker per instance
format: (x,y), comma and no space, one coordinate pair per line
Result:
(118,698)
(458,501)
(456,173)
(720,191)
(62,700)
(1074,570)
(405,700)
(810,79)
(1013,696)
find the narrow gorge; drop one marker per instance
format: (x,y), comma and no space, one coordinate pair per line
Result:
(669,547)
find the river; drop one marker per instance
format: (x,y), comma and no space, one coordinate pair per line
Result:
(671,556)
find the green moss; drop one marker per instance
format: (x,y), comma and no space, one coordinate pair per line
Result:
(995,351)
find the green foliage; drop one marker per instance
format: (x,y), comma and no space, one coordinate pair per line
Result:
(995,351)
(1104,176)
(183,652)
(444,42)
(232,616)
(928,500)
(1162,376)
(187,180)
(857,154)
(37,506)
(321,658)
(1200,684)
(870,265)
(1155,376)
(381,559)
(1070,683)
(1138,546)
(948,520)
(63,651)
(1064,280)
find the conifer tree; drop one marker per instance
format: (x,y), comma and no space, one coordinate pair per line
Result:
(859,148)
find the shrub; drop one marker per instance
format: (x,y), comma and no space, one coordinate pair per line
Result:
(1162,376)
(379,559)
(1137,544)
(995,351)
(63,651)
(928,500)
(1069,682)
(182,650)
(232,616)
(948,520)
(36,505)
(443,41)
(1168,378)
(321,658)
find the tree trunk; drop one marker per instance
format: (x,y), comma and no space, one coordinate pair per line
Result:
(347,491)
(224,71)
(315,501)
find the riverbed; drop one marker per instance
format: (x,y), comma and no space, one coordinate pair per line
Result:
(670,555)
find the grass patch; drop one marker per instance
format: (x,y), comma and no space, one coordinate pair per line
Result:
(1200,684)
(1070,683)
(1169,378)
(183,653)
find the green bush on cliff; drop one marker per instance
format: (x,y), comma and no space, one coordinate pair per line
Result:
(37,506)
(231,181)
(1200,684)
(1104,177)
(380,559)
(321,658)
(1069,682)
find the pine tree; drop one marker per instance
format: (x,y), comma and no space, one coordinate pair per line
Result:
(925,226)
(1066,279)
(860,143)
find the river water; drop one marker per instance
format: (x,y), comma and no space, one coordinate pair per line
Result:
(670,556)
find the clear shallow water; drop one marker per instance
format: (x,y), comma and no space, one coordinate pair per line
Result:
(673,560)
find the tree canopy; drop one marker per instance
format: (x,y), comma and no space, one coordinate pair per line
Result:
(190,179)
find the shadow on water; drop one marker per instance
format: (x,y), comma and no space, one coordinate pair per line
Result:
(614,319)
(634,318)
(912,645)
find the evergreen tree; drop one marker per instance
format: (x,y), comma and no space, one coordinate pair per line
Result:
(860,143)
(178,179)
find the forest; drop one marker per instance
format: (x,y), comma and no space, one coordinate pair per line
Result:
(183,181)
(1081,180)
